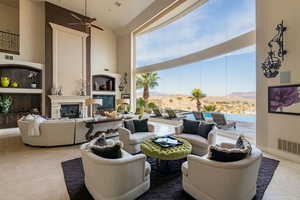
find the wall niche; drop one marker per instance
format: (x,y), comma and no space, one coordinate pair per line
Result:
(22,75)
(22,104)
(104,83)
(23,85)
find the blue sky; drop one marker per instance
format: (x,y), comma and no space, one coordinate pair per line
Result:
(211,24)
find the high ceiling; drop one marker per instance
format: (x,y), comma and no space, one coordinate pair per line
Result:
(110,13)
(11,3)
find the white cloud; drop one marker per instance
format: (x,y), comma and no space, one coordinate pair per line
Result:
(190,34)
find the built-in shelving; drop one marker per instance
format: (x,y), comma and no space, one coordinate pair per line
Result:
(21,91)
(25,99)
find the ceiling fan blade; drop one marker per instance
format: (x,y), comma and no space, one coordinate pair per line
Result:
(97,27)
(76,17)
(92,20)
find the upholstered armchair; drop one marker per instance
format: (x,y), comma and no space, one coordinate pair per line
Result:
(115,179)
(211,180)
(200,144)
(132,141)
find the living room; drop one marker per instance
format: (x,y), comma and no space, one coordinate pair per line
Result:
(69,76)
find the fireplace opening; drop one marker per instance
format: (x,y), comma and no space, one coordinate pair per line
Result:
(70,111)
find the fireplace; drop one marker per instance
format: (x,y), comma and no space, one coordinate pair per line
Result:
(70,111)
(68,106)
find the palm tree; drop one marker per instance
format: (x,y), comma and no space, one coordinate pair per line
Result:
(147,81)
(197,95)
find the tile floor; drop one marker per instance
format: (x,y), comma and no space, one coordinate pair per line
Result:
(28,173)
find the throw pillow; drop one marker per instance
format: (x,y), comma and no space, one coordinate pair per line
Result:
(218,153)
(128,124)
(239,143)
(243,143)
(108,152)
(204,129)
(190,126)
(101,141)
(141,125)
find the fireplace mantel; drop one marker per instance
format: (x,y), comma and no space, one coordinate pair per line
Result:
(57,101)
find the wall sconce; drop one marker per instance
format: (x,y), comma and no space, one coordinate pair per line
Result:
(123,82)
(273,62)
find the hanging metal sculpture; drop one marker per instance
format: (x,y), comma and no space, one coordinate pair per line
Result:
(275,57)
(123,82)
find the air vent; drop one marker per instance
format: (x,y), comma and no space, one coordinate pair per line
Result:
(288,146)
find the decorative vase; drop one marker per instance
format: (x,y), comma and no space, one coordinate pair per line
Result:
(15,84)
(60,92)
(33,85)
(5,81)
(54,91)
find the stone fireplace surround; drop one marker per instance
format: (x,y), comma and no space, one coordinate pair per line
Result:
(58,101)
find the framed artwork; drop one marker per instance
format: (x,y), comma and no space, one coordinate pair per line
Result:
(284,99)
(125,96)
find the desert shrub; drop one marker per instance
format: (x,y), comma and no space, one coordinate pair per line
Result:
(179,98)
(152,105)
(209,108)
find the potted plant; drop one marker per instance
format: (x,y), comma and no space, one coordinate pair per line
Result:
(5,103)
(33,78)
(140,103)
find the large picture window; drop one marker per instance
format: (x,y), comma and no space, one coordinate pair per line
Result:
(209,53)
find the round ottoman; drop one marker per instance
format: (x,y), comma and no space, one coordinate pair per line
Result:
(153,150)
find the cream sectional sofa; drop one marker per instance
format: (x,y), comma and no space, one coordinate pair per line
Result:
(60,132)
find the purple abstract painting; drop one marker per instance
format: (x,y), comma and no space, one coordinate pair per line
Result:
(284,99)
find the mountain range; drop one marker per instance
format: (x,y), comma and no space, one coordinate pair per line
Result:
(247,95)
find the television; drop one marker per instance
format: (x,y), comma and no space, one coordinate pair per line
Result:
(108,102)
(284,99)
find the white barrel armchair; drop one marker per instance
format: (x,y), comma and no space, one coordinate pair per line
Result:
(200,144)
(115,179)
(132,141)
(206,179)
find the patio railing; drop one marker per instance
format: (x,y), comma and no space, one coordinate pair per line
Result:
(9,42)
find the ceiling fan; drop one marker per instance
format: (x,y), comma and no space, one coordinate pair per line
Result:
(87,22)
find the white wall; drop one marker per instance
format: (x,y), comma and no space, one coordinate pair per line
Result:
(9,19)
(69,59)
(32,32)
(270,127)
(103,51)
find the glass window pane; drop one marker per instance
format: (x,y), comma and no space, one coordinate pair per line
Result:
(229,82)
(213,23)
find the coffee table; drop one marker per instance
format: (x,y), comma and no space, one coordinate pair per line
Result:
(153,150)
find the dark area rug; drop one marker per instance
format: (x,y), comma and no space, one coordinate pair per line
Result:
(164,185)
